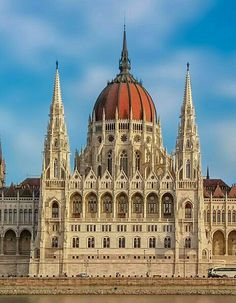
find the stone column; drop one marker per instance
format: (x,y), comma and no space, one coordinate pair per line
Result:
(99,206)
(114,206)
(1,245)
(144,206)
(17,245)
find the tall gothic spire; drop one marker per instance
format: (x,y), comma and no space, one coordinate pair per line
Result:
(56,150)
(124,63)
(187,144)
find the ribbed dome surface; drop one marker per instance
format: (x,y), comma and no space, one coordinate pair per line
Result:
(129,98)
(125,95)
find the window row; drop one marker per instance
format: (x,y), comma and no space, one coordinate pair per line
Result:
(10,216)
(219,216)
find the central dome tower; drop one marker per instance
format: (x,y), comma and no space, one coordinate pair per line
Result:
(124,95)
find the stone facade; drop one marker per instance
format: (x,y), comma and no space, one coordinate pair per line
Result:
(128,207)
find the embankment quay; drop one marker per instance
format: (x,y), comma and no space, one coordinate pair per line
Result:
(120,286)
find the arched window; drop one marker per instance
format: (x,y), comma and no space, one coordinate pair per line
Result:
(223,216)
(218,215)
(187,243)
(91,242)
(229,216)
(30,215)
(188,169)
(5,215)
(55,242)
(109,161)
(167,242)
(92,204)
(56,171)
(75,242)
(106,242)
(55,210)
(25,216)
(234,216)
(124,162)
(167,202)
(137,160)
(122,204)
(137,242)
(152,242)
(20,216)
(76,205)
(188,211)
(152,205)
(107,204)
(122,242)
(14,216)
(36,216)
(10,216)
(137,204)
(214,216)
(208,216)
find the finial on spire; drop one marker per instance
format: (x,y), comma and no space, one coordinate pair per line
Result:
(188,66)
(124,63)
(57,64)
(208,174)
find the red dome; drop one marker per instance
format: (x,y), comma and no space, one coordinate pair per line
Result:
(126,95)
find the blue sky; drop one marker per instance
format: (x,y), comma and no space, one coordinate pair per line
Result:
(86,36)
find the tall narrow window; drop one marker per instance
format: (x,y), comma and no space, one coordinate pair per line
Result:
(55,242)
(188,169)
(187,243)
(106,242)
(122,242)
(137,161)
(109,161)
(188,211)
(107,204)
(137,242)
(75,242)
(92,204)
(91,242)
(167,242)
(14,216)
(137,204)
(214,216)
(218,215)
(55,210)
(167,201)
(124,162)
(229,216)
(56,168)
(152,242)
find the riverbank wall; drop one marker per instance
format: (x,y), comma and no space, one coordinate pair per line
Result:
(119,286)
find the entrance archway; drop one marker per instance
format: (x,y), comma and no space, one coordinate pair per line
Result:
(218,243)
(232,243)
(9,243)
(24,243)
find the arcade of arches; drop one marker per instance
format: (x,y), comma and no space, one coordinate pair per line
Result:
(224,245)
(13,245)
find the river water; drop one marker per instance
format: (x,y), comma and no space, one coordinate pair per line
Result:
(118,299)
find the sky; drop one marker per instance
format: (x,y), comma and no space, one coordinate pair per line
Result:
(86,38)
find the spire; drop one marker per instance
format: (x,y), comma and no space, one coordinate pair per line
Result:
(187,144)
(1,159)
(76,164)
(208,174)
(57,87)
(188,91)
(2,167)
(124,63)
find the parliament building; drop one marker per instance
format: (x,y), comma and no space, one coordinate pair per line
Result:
(128,208)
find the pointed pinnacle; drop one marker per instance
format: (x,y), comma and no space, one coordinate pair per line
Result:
(124,63)
(188,66)
(57,65)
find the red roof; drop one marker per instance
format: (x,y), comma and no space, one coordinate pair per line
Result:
(126,95)
(31,182)
(232,193)
(218,193)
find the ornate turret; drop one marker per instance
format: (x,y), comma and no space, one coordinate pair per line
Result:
(56,150)
(188,160)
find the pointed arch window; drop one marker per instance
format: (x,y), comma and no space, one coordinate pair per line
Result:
(99,171)
(124,162)
(223,216)
(55,210)
(188,211)
(214,216)
(234,216)
(109,161)
(188,169)
(218,215)
(56,171)
(107,204)
(137,160)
